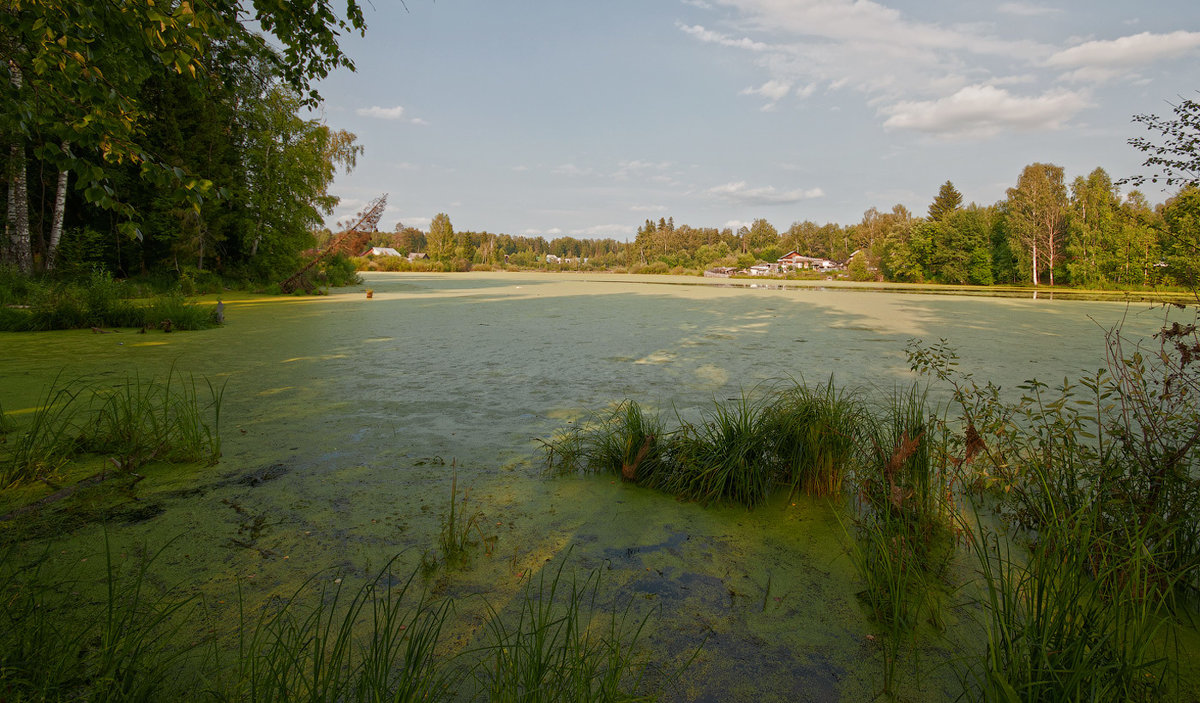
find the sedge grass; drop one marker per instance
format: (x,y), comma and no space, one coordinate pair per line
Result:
(625,440)
(133,422)
(125,646)
(39,447)
(459,527)
(727,456)
(552,651)
(815,432)
(316,646)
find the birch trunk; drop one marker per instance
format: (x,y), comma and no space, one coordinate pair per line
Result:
(18,210)
(18,198)
(56,224)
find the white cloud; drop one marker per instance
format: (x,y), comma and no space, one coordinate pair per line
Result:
(912,72)
(388,113)
(571,170)
(735,225)
(985,110)
(382,113)
(1135,49)
(625,169)
(706,35)
(417,222)
(742,194)
(1026,9)
(773,90)
(648,208)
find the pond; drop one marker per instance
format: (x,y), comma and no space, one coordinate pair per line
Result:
(345,418)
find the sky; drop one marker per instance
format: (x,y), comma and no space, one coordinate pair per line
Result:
(583,119)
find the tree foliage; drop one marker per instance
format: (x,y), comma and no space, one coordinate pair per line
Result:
(1037,208)
(1175,154)
(94,89)
(947,201)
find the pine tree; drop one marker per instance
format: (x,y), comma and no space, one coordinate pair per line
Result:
(947,201)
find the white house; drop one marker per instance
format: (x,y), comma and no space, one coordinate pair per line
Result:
(381,251)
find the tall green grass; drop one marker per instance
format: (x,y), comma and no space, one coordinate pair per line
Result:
(132,423)
(62,639)
(740,451)
(553,650)
(55,645)
(625,440)
(96,300)
(46,441)
(815,432)
(1096,482)
(459,527)
(317,646)
(725,457)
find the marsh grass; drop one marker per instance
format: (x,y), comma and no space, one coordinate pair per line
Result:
(1095,481)
(6,423)
(98,300)
(57,645)
(319,646)
(727,456)
(141,421)
(815,432)
(47,440)
(132,423)
(66,637)
(555,650)
(1060,627)
(902,518)
(625,440)
(740,451)
(459,526)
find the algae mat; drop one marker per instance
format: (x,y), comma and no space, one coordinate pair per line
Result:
(344,418)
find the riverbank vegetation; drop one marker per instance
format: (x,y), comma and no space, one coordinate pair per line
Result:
(328,641)
(1096,238)
(167,142)
(1064,522)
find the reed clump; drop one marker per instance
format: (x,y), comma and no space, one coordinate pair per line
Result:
(131,422)
(740,451)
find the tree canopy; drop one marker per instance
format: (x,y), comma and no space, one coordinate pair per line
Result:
(122,96)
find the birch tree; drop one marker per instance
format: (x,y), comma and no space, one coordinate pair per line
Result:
(1037,209)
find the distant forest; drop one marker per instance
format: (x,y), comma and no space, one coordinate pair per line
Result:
(1045,232)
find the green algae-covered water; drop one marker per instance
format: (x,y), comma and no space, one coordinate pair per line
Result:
(345,417)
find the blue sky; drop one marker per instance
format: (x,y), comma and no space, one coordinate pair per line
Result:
(584,119)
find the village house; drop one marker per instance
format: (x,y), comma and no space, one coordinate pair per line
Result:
(381,251)
(792,261)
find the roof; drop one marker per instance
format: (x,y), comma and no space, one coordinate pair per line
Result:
(381,251)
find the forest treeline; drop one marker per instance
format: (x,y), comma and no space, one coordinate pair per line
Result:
(172,140)
(1046,231)
(167,139)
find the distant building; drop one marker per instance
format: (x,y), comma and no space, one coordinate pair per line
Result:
(413,256)
(552,259)
(721,272)
(381,251)
(793,261)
